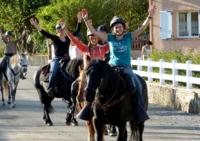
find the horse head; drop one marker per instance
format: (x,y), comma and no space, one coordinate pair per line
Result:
(101,76)
(23,62)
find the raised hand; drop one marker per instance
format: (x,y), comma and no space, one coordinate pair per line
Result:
(84,14)
(35,23)
(62,23)
(79,16)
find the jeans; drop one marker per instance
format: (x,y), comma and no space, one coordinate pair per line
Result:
(54,68)
(136,83)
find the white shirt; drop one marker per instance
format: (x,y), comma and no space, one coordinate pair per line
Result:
(75,52)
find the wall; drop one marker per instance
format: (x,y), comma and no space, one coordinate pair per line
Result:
(184,45)
(175,98)
(38,60)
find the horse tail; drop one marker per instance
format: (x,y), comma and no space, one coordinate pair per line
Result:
(44,99)
(136,130)
(36,78)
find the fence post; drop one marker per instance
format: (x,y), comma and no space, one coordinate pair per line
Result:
(161,72)
(149,70)
(188,74)
(139,68)
(174,73)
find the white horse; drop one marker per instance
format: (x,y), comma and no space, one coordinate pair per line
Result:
(16,69)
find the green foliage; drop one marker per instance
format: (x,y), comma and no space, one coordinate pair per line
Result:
(15,14)
(168,56)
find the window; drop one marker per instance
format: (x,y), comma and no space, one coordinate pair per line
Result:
(188,24)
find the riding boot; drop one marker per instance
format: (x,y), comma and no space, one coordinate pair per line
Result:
(86,112)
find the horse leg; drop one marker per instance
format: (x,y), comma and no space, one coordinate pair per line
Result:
(70,118)
(141,130)
(91,130)
(99,126)
(122,136)
(46,116)
(2,95)
(8,89)
(12,90)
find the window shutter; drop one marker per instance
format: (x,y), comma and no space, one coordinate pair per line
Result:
(199,22)
(165,24)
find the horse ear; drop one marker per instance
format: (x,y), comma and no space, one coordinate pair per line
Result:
(80,69)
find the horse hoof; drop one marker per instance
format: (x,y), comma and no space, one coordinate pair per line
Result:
(9,102)
(13,106)
(50,124)
(68,123)
(74,123)
(105,132)
(113,134)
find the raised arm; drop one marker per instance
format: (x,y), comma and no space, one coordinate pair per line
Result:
(78,26)
(146,22)
(2,36)
(24,33)
(79,44)
(90,26)
(35,24)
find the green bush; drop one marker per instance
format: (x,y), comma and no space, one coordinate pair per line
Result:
(168,56)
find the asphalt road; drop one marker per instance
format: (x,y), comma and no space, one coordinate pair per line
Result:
(24,122)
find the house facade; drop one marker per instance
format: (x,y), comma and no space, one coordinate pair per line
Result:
(176,25)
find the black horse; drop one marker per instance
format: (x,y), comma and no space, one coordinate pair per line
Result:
(113,103)
(62,90)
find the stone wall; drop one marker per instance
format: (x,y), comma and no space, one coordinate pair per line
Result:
(38,60)
(175,98)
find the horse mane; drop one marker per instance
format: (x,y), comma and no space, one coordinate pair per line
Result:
(111,77)
(73,67)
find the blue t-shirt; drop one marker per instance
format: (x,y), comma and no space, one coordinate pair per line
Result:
(120,50)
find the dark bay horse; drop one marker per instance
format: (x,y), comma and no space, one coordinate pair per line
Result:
(113,103)
(63,91)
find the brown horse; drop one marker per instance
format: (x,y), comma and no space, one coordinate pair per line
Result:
(113,103)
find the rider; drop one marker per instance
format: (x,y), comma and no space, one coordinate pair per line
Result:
(104,30)
(11,47)
(120,43)
(91,51)
(61,48)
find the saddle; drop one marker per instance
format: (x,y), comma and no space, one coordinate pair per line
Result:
(125,77)
(63,81)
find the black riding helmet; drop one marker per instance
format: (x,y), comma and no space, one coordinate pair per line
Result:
(8,33)
(58,26)
(102,28)
(116,20)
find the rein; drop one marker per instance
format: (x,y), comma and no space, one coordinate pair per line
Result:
(112,102)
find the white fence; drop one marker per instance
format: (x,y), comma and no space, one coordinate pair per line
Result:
(162,76)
